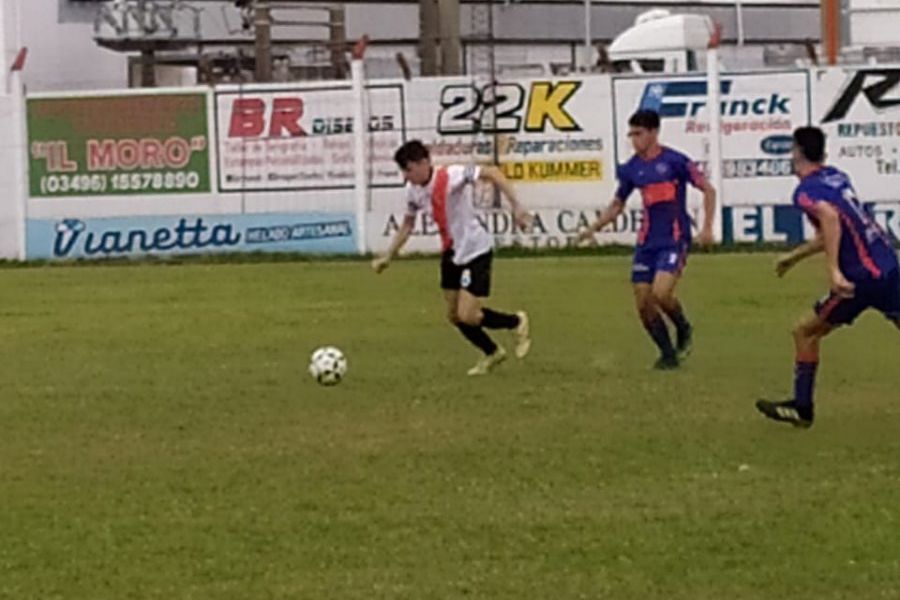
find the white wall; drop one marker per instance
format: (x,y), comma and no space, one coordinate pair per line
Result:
(874,22)
(10,178)
(63,56)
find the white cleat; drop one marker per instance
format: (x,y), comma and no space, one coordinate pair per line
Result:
(523,335)
(484,366)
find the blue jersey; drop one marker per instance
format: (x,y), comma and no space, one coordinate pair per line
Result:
(866,253)
(663,183)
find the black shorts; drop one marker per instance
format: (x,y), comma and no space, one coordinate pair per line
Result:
(882,295)
(474,276)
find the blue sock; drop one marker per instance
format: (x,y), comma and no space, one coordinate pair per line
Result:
(804,382)
(660,335)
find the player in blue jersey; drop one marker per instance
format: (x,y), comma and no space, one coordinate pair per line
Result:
(662,176)
(862,267)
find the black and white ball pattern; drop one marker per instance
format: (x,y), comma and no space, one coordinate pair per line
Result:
(328,365)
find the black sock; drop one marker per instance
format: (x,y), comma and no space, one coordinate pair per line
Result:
(660,334)
(498,320)
(478,337)
(682,325)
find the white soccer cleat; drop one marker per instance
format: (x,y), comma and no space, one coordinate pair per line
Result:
(523,335)
(484,366)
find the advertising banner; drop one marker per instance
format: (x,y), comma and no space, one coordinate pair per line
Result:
(301,138)
(786,224)
(122,145)
(551,137)
(332,233)
(759,112)
(860,113)
(552,228)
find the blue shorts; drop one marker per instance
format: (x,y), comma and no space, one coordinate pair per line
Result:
(881,294)
(666,259)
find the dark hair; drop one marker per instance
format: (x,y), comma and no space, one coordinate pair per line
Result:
(811,141)
(648,119)
(411,151)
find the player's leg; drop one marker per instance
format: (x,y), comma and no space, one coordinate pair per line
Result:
(807,336)
(450,284)
(476,279)
(830,313)
(475,285)
(451,299)
(653,322)
(664,285)
(669,269)
(887,300)
(471,315)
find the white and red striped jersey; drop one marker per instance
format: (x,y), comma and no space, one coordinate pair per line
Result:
(450,199)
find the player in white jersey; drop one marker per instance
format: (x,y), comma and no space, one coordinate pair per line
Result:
(467,249)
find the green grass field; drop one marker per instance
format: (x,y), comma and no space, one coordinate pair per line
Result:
(160,438)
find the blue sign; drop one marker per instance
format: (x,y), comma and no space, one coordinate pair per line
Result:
(777,144)
(786,223)
(685,98)
(756,224)
(322,233)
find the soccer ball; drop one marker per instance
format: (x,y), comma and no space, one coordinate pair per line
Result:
(328,365)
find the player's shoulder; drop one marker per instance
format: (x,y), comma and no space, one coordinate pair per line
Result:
(833,176)
(629,165)
(673,155)
(805,186)
(813,187)
(461,171)
(824,182)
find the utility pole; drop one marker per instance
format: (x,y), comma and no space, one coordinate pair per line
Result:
(451,48)
(262,25)
(428,36)
(831,25)
(337,39)
(148,68)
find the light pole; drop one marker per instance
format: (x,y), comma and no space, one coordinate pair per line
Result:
(588,47)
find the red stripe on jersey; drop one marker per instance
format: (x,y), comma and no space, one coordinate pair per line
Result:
(861,248)
(654,193)
(676,230)
(439,206)
(805,201)
(697,177)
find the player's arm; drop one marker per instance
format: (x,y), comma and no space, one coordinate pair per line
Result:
(830,227)
(787,261)
(604,218)
(709,212)
(614,209)
(494,176)
(699,181)
(381,263)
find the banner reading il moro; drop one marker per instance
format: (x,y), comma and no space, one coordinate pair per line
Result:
(118,145)
(333,233)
